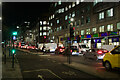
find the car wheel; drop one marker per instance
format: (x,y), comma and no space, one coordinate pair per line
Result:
(108,66)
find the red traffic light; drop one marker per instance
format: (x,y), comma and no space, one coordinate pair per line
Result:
(73,28)
(44,36)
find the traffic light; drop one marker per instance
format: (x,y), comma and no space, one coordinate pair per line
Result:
(78,38)
(72,32)
(14,36)
(13,51)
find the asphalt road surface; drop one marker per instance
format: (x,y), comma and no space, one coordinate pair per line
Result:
(34,67)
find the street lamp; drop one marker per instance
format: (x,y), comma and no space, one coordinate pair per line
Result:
(18,27)
(72,19)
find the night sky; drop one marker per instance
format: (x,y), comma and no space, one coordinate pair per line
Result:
(15,13)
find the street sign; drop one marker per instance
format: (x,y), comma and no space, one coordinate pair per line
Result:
(14,33)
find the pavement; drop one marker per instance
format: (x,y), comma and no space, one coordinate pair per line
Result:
(9,73)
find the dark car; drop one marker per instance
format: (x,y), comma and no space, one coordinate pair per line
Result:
(59,50)
(95,53)
(73,50)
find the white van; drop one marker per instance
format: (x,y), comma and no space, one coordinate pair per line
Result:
(50,47)
(82,47)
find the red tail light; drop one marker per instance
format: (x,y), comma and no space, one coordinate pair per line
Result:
(100,52)
(105,51)
(70,50)
(60,49)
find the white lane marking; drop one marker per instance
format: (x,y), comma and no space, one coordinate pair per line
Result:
(45,70)
(39,76)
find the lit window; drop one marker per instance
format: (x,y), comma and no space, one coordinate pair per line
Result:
(40,33)
(40,22)
(53,15)
(87,31)
(69,15)
(44,22)
(49,18)
(59,2)
(66,17)
(73,14)
(110,12)
(55,4)
(48,33)
(69,6)
(62,10)
(48,23)
(96,1)
(73,4)
(94,30)
(48,28)
(82,32)
(44,28)
(57,21)
(110,27)
(66,8)
(44,33)
(101,15)
(101,28)
(77,2)
(60,27)
(118,25)
(51,24)
(40,28)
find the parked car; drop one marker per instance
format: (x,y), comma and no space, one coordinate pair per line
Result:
(31,47)
(59,50)
(95,53)
(73,50)
(112,59)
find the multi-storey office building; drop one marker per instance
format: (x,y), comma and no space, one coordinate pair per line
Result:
(100,21)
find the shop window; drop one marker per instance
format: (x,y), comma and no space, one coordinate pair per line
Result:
(101,15)
(110,12)
(82,32)
(110,27)
(87,31)
(101,29)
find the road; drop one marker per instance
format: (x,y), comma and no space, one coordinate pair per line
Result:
(41,67)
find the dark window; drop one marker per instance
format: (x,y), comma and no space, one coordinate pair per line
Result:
(87,19)
(82,20)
